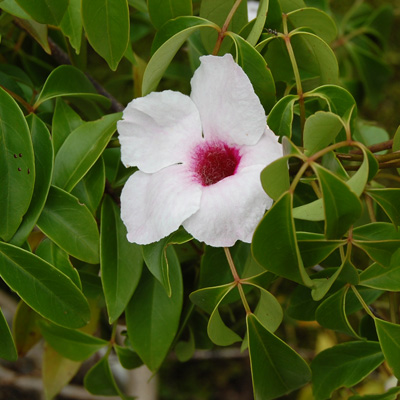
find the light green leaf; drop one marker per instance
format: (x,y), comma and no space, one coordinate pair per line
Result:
(167,42)
(17,168)
(276,368)
(45,11)
(12,7)
(81,149)
(218,332)
(43,287)
(7,347)
(391,394)
(70,225)
(106,24)
(121,262)
(37,31)
(259,22)
(281,116)
(275,177)
(43,152)
(208,298)
(67,80)
(71,24)
(345,364)
(162,11)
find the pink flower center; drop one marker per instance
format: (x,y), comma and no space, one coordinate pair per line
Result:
(214,161)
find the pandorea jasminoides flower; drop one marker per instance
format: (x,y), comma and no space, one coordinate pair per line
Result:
(199,158)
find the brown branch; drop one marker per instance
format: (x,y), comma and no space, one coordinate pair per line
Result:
(376,147)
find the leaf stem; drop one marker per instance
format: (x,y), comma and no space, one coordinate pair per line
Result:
(221,34)
(363,303)
(394,307)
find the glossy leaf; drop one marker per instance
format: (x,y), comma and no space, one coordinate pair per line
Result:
(277,250)
(280,118)
(389,338)
(259,22)
(389,200)
(70,225)
(67,80)
(72,344)
(256,69)
(342,206)
(121,262)
(345,364)
(156,260)
(57,371)
(218,332)
(43,149)
(276,368)
(320,130)
(45,11)
(55,296)
(151,311)
(71,24)
(17,168)
(208,298)
(8,350)
(106,24)
(172,36)
(319,22)
(50,252)
(25,328)
(162,11)
(81,149)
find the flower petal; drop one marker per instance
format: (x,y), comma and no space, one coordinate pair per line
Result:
(267,150)
(157,130)
(230,209)
(229,109)
(155,205)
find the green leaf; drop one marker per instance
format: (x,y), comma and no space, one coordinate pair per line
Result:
(320,130)
(37,31)
(67,80)
(280,118)
(275,177)
(184,350)
(276,368)
(106,24)
(341,204)
(208,298)
(55,296)
(389,200)
(217,11)
(90,189)
(43,150)
(121,262)
(17,168)
(156,260)
(25,328)
(319,22)
(256,69)
(389,338)
(71,24)
(384,278)
(13,8)
(151,312)
(81,149)
(7,347)
(259,22)
(100,381)
(391,394)
(277,250)
(171,36)
(162,11)
(218,332)
(127,357)
(345,364)
(70,225)
(379,240)
(331,313)
(72,344)
(50,252)
(45,11)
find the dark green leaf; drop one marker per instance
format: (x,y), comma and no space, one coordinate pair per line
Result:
(383,278)
(208,298)
(275,177)
(389,338)
(259,22)
(55,296)
(44,169)
(71,24)
(219,333)
(17,168)
(67,80)
(389,200)
(121,261)
(45,11)
(276,368)
(70,225)
(106,24)
(281,116)
(127,357)
(72,344)
(7,347)
(345,364)
(151,312)
(162,11)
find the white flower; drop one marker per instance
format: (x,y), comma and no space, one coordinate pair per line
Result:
(199,158)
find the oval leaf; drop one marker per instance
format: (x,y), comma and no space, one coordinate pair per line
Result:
(162,11)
